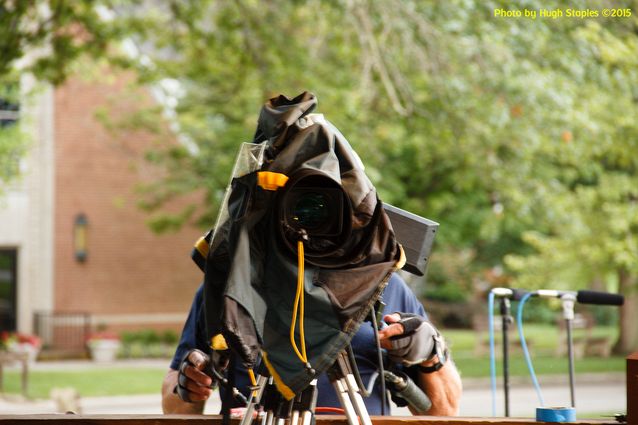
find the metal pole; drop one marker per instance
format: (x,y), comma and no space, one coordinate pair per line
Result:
(506,320)
(568,313)
(570,351)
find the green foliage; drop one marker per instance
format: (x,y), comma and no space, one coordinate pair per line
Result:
(169,337)
(13,144)
(517,135)
(148,343)
(448,291)
(47,36)
(454,113)
(13,141)
(539,312)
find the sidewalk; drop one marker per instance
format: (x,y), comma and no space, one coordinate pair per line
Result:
(595,393)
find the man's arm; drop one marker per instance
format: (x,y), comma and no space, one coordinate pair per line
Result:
(443,387)
(194,381)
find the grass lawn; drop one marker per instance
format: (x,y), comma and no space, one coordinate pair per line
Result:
(472,367)
(90,382)
(543,341)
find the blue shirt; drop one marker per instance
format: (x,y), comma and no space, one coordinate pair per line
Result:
(397,297)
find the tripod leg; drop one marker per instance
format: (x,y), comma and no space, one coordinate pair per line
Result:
(303,406)
(270,417)
(306,417)
(283,412)
(294,417)
(254,399)
(271,401)
(357,400)
(341,388)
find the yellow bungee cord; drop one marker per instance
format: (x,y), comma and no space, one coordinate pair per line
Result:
(298,307)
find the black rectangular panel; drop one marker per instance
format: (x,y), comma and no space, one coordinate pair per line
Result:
(416,235)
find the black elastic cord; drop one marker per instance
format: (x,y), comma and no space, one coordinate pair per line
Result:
(228,394)
(355,371)
(377,341)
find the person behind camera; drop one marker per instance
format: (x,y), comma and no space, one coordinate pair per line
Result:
(410,341)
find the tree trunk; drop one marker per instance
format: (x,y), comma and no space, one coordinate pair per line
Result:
(628,337)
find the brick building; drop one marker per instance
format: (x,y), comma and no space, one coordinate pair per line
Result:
(79,182)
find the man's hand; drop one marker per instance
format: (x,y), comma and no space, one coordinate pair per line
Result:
(186,390)
(193,384)
(409,338)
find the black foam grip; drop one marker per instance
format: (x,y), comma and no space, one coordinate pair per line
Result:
(600,298)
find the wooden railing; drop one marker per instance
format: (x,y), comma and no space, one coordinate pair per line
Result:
(217,420)
(632,415)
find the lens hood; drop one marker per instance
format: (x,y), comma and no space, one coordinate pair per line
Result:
(313,207)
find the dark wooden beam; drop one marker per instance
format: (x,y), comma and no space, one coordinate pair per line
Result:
(216,420)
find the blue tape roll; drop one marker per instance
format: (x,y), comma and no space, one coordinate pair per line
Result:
(555,414)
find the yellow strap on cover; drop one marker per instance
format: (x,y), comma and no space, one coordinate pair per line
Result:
(269,180)
(298,308)
(202,246)
(402,259)
(218,343)
(279,383)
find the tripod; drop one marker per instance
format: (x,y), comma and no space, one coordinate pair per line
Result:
(301,409)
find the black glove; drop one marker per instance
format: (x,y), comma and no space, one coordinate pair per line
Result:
(419,342)
(181,388)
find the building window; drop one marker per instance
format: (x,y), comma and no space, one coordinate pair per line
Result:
(8,287)
(9,105)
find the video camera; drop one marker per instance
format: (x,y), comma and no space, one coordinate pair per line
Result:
(302,248)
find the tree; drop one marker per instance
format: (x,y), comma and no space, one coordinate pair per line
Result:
(592,207)
(512,133)
(45,38)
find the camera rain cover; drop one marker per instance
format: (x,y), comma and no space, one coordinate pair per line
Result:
(298,200)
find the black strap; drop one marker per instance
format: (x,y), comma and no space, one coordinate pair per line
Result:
(436,366)
(430,369)
(377,343)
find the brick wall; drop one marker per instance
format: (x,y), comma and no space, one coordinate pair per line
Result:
(129,270)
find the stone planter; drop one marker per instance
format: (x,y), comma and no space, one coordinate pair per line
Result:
(104,350)
(32,351)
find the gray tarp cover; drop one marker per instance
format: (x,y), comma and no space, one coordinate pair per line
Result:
(251,277)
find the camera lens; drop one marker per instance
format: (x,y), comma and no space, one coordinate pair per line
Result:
(310,211)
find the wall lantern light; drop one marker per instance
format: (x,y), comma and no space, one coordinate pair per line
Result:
(80,245)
